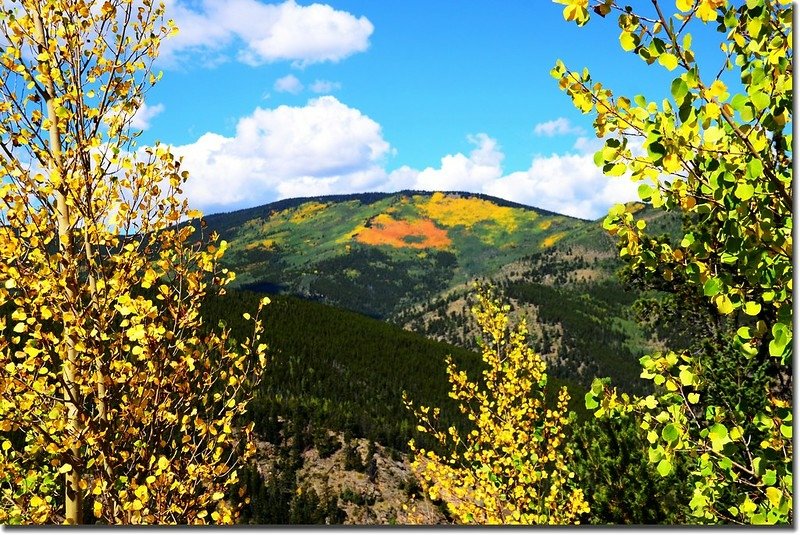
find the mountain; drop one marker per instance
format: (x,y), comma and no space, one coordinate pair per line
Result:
(380,253)
(410,258)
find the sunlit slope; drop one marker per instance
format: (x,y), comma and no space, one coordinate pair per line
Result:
(376,253)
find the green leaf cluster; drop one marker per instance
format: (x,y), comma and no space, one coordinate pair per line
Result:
(718,151)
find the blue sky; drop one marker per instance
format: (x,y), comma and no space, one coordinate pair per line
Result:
(272,100)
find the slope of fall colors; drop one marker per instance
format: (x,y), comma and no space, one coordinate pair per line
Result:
(380,253)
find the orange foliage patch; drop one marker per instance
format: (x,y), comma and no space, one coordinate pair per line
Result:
(417,233)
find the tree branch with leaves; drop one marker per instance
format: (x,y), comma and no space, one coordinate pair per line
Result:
(719,151)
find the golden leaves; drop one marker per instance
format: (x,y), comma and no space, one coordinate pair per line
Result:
(512,467)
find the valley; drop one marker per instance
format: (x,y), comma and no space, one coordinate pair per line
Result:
(369,297)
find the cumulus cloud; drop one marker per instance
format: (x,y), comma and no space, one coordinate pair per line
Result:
(456,171)
(263,33)
(288,84)
(141,119)
(321,148)
(569,184)
(326,147)
(557,127)
(324,86)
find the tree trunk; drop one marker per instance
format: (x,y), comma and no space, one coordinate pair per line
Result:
(73,494)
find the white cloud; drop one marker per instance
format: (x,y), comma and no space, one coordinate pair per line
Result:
(456,171)
(557,127)
(288,84)
(263,33)
(141,119)
(324,86)
(320,148)
(326,147)
(569,184)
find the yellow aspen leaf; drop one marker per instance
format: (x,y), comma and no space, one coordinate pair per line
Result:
(718,90)
(672,163)
(627,41)
(668,60)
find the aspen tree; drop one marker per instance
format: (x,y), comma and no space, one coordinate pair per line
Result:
(112,390)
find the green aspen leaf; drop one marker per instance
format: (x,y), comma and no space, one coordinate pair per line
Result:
(744,191)
(718,434)
(748,112)
(655,453)
(769,478)
(712,287)
(738,102)
(780,340)
(668,60)
(754,27)
(645,191)
(760,100)
(590,401)
(686,377)
(640,101)
(786,431)
(652,436)
(597,386)
(616,169)
(755,169)
(679,90)
(744,333)
(664,467)
(670,433)
(617,210)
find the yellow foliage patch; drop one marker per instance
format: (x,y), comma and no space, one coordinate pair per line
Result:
(552,239)
(261,244)
(307,211)
(453,211)
(417,233)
